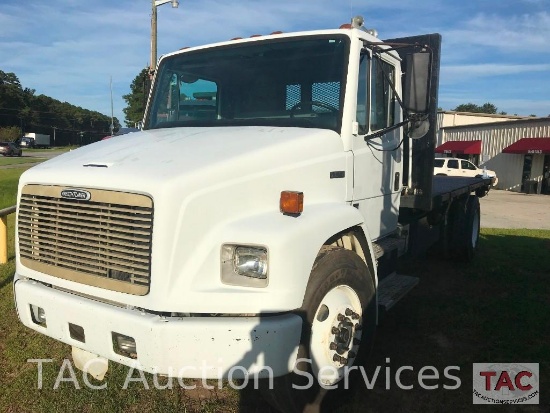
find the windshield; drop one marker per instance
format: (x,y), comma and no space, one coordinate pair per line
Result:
(289,82)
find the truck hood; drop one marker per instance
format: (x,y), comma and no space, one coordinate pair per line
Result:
(143,161)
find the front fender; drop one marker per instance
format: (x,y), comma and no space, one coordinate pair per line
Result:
(292,243)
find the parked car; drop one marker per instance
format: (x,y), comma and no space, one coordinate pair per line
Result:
(460,167)
(10,149)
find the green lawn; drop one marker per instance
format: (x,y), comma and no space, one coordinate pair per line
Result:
(56,149)
(15,161)
(495,309)
(9,178)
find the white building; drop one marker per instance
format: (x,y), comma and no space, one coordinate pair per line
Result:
(516,148)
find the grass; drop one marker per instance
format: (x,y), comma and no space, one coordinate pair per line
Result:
(9,178)
(4,161)
(53,149)
(495,309)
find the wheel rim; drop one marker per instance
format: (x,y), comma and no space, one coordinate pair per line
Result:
(475,230)
(335,334)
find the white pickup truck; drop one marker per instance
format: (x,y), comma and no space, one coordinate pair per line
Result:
(257,219)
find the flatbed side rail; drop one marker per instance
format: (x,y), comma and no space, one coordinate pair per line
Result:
(447,188)
(4,232)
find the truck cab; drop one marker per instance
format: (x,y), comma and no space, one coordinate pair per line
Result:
(26,142)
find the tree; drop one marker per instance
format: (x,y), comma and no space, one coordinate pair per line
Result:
(137,98)
(22,111)
(11,99)
(473,108)
(10,134)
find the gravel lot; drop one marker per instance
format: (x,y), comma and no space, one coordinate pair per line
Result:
(503,209)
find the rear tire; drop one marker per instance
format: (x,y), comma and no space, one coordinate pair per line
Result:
(464,228)
(340,297)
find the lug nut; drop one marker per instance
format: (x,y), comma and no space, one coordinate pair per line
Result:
(333,346)
(355,316)
(340,359)
(349,312)
(335,330)
(352,355)
(340,317)
(358,327)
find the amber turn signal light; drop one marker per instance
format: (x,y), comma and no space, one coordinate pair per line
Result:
(292,202)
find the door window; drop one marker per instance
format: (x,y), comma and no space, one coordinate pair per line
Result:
(468,165)
(452,164)
(361,115)
(382,97)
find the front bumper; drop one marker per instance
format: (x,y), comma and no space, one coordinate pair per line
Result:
(208,347)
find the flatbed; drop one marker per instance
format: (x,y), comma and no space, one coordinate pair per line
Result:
(445,188)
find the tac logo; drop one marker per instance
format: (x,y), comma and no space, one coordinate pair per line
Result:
(506,383)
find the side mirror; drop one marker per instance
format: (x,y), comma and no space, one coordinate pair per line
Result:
(417,83)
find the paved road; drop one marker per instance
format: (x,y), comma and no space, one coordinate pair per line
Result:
(504,209)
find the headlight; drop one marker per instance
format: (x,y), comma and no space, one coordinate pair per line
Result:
(244,265)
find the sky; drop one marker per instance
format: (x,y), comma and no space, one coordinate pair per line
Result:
(495,51)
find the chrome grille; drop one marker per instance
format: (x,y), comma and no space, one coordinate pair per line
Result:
(104,242)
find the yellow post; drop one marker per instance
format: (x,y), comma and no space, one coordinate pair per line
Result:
(4,239)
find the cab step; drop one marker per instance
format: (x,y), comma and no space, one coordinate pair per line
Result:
(385,246)
(393,288)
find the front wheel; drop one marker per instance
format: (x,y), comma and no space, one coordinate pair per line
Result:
(339,313)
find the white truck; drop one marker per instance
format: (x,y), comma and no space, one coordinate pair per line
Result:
(35,140)
(252,228)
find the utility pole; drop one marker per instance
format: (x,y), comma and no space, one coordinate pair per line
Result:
(112,127)
(154,5)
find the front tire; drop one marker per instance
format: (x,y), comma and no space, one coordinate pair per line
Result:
(339,313)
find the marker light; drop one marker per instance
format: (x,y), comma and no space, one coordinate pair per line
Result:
(291,202)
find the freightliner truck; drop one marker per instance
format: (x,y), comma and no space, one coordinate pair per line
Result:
(252,228)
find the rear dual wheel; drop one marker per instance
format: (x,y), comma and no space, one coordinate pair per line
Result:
(339,313)
(464,228)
